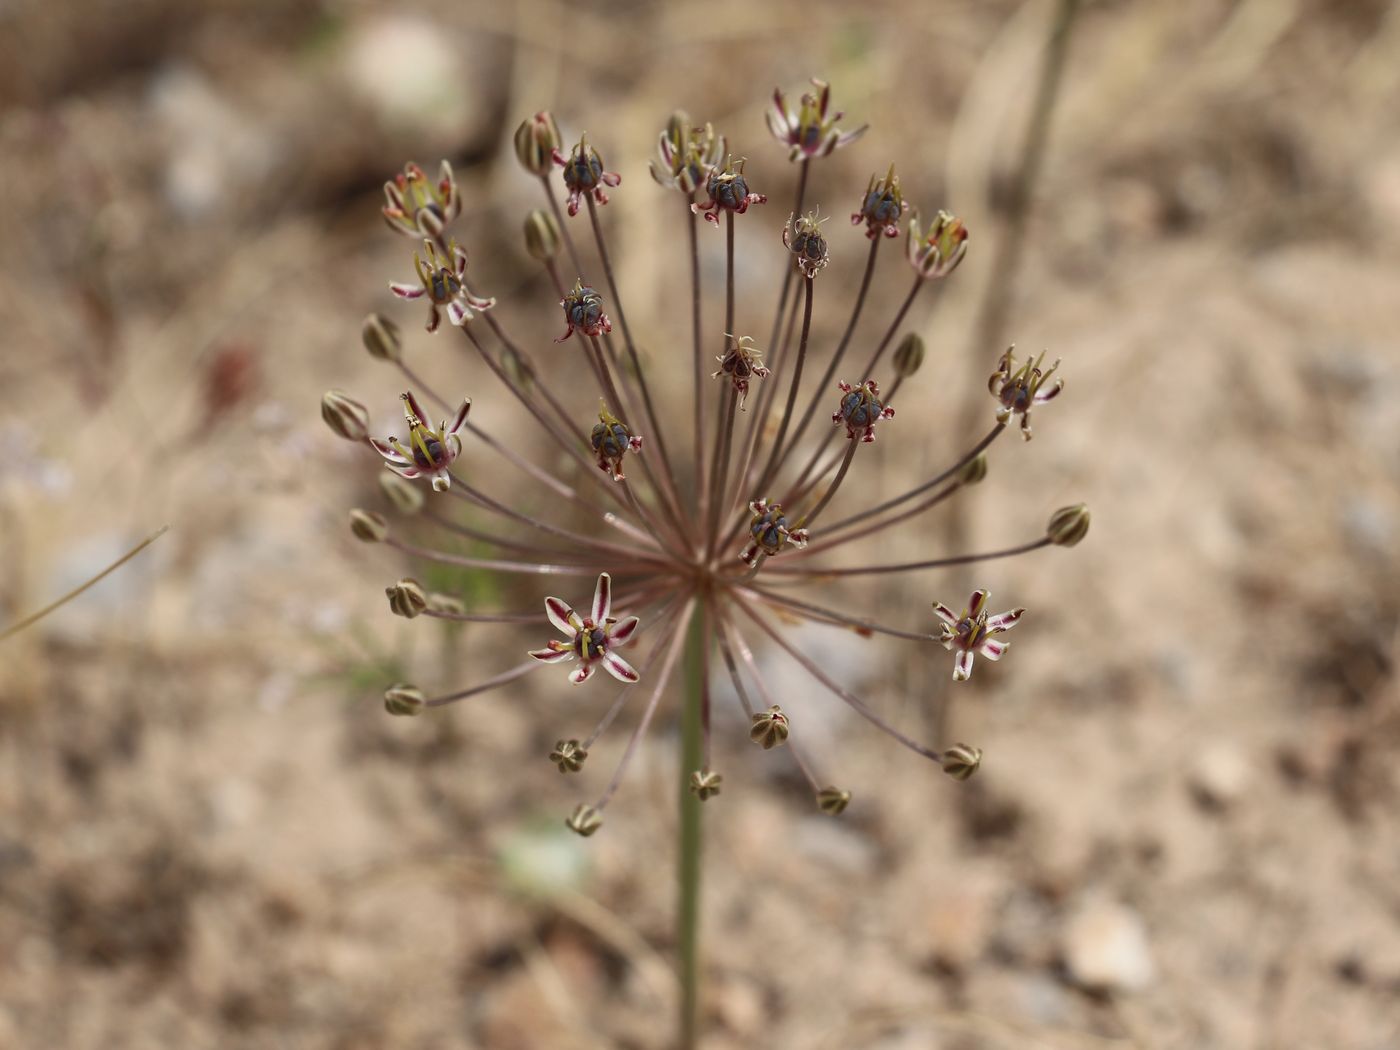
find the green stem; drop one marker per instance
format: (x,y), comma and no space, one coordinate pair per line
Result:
(692,755)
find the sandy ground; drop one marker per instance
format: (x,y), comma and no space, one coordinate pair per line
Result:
(1183,833)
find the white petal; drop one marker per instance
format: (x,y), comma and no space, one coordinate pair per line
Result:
(977,603)
(623,631)
(602,598)
(560,613)
(581,673)
(456,422)
(552,656)
(962,666)
(1004,621)
(945,614)
(406,291)
(993,649)
(620,668)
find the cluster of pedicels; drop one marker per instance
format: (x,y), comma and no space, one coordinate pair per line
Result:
(661,537)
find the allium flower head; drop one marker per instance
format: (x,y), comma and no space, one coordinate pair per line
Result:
(417,206)
(719,537)
(860,409)
(429,452)
(443,281)
(810,130)
(882,206)
(937,252)
(741,363)
(592,639)
(584,174)
(803,237)
(974,632)
(583,311)
(1018,390)
(728,189)
(685,155)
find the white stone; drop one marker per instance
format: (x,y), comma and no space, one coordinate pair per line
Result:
(1106,948)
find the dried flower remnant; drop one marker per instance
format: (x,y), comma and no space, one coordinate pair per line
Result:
(833,801)
(592,639)
(584,174)
(568,755)
(860,409)
(444,285)
(419,207)
(770,728)
(770,532)
(430,452)
(610,441)
(685,155)
(583,311)
(803,237)
(882,206)
(962,760)
(741,363)
(974,632)
(810,130)
(705,784)
(937,252)
(584,820)
(1018,390)
(728,190)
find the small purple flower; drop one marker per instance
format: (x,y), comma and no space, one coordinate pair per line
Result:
(584,174)
(419,207)
(444,285)
(610,441)
(591,639)
(974,632)
(770,532)
(882,206)
(741,362)
(583,310)
(429,452)
(938,252)
(728,190)
(861,408)
(810,131)
(1020,389)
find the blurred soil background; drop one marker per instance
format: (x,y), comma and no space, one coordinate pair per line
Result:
(1184,831)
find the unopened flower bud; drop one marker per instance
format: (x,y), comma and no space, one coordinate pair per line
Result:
(1068,525)
(975,470)
(704,783)
(909,355)
(961,760)
(568,755)
(833,801)
(407,598)
(769,729)
(381,338)
(584,820)
(542,237)
(445,604)
(535,142)
(346,416)
(406,497)
(368,526)
(403,699)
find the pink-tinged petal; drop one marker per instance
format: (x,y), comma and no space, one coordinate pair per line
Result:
(1004,621)
(413,406)
(602,598)
(623,631)
(388,452)
(454,447)
(457,313)
(442,480)
(405,472)
(459,260)
(992,649)
(434,318)
(962,666)
(581,674)
(459,420)
(945,614)
(620,668)
(1048,395)
(552,656)
(429,222)
(560,614)
(976,604)
(406,291)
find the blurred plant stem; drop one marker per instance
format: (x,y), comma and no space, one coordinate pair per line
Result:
(989,328)
(34,618)
(692,757)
